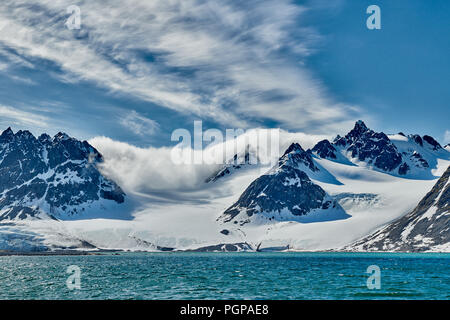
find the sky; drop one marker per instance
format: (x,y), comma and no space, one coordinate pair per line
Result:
(137,70)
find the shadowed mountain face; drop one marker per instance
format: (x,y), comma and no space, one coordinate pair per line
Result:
(427,227)
(285,191)
(46,176)
(413,154)
(375,148)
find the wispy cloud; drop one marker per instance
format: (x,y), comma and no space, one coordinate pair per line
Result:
(139,124)
(236,62)
(22,118)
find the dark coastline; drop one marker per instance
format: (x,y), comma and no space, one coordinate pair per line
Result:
(56,253)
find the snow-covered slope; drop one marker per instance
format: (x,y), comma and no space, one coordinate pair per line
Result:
(362,181)
(426,228)
(52,177)
(419,154)
(238,162)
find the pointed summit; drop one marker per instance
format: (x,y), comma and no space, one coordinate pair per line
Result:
(44,137)
(61,136)
(285,193)
(325,149)
(359,128)
(360,124)
(294,148)
(7,134)
(297,157)
(31,182)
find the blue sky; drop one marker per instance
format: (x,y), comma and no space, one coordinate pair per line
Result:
(138,71)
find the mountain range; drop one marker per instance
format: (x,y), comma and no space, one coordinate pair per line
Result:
(54,178)
(355,192)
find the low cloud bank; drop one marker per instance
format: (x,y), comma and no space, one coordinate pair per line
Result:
(153,171)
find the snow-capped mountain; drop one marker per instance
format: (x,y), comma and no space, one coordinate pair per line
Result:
(323,198)
(285,193)
(371,147)
(426,228)
(410,156)
(52,177)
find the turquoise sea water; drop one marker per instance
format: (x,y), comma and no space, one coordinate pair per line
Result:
(227,276)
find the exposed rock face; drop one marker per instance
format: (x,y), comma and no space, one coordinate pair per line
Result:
(372,147)
(426,228)
(225,247)
(50,176)
(433,143)
(403,169)
(378,150)
(417,139)
(285,188)
(295,156)
(325,149)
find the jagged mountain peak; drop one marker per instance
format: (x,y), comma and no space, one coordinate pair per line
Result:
(361,131)
(61,136)
(294,148)
(286,192)
(44,137)
(297,157)
(324,149)
(395,154)
(358,130)
(24,134)
(7,134)
(57,178)
(360,126)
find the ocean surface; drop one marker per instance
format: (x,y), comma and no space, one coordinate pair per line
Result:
(226,276)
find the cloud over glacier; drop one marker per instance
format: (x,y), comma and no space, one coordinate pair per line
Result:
(152,172)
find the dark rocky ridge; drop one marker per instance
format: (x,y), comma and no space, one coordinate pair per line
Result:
(325,149)
(435,145)
(284,187)
(376,149)
(427,226)
(372,147)
(55,176)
